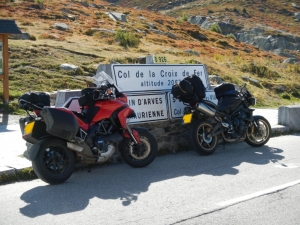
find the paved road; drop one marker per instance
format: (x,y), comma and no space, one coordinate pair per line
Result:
(178,188)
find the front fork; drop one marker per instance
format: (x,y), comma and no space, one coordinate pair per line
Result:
(132,134)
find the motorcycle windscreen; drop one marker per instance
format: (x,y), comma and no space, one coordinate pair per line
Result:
(228,104)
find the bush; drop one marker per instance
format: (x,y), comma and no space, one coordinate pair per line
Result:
(127,39)
(32,37)
(231,36)
(235,10)
(215,28)
(89,32)
(184,17)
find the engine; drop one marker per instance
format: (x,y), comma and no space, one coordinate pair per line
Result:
(101,135)
(237,126)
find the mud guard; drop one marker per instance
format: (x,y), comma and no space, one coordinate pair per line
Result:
(135,132)
(32,151)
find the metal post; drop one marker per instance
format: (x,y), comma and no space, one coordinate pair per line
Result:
(5,69)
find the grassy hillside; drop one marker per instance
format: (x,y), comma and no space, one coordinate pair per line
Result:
(34,64)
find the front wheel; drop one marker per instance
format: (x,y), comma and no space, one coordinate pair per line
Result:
(201,143)
(139,155)
(54,162)
(259,132)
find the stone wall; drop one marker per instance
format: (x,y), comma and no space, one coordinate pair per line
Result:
(171,135)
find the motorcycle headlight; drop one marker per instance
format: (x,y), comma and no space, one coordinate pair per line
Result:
(252,101)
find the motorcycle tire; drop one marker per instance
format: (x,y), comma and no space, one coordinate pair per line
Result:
(201,144)
(143,157)
(54,162)
(258,136)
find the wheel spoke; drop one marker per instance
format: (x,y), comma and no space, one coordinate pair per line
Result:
(56,160)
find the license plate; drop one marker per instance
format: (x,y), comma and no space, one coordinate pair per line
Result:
(28,128)
(187,118)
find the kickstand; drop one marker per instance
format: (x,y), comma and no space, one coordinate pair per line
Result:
(89,168)
(223,142)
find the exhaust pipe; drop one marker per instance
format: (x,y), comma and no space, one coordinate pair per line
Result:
(206,109)
(106,155)
(83,148)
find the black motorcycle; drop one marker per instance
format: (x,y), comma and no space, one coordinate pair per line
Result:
(231,119)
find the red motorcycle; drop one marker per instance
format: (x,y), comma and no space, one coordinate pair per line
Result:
(57,138)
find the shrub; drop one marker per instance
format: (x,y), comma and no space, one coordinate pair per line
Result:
(40,2)
(235,10)
(215,28)
(32,37)
(231,36)
(89,32)
(184,17)
(127,39)
(222,42)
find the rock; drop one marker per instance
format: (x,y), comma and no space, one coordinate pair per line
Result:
(67,66)
(290,61)
(198,20)
(103,30)
(280,88)
(245,78)
(226,27)
(284,12)
(192,52)
(170,35)
(61,26)
(246,50)
(23,36)
(214,79)
(254,82)
(280,52)
(297,15)
(141,18)
(157,31)
(117,16)
(255,37)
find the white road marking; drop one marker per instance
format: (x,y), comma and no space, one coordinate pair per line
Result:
(259,193)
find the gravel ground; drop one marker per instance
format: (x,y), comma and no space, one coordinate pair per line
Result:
(9,119)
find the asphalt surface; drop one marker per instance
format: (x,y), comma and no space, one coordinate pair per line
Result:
(13,146)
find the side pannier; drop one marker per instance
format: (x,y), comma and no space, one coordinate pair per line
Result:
(189,89)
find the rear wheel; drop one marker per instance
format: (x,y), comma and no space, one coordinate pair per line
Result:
(199,140)
(54,162)
(259,132)
(139,155)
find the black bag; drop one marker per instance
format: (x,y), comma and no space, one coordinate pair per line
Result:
(189,89)
(225,90)
(198,86)
(38,99)
(183,91)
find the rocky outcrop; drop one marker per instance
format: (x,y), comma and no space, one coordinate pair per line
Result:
(206,23)
(198,20)
(227,28)
(117,16)
(257,37)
